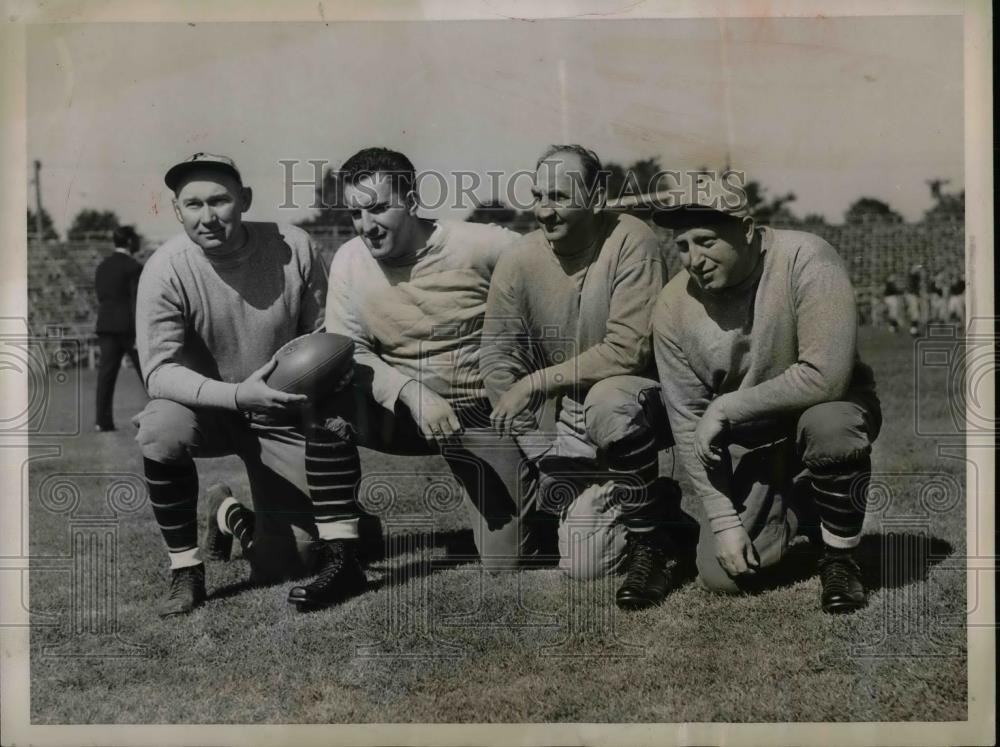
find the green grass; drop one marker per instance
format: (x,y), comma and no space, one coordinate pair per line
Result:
(463,646)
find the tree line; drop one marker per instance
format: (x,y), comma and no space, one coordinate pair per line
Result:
(87,224)
(766,206)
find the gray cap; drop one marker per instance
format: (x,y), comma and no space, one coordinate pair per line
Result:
(708,194)
(200,161)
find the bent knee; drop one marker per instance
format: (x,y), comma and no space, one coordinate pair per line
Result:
(834,434)
(613,410)
(167,430)
(589,554)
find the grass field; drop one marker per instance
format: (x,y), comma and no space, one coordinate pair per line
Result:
(439,641)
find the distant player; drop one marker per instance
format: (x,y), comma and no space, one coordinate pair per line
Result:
(937,297)
(116,282)
(956,299)
(916,299)
(772,411)
(892,296)
(214,304)
(568,362)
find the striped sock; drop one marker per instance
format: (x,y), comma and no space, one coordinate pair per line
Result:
(333,472)
(173,493)
(634,466)
(841,500)
(235,519)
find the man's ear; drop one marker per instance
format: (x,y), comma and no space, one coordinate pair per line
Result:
(747,227)
(598,199)
(412,202)
(177,210)
(246,199)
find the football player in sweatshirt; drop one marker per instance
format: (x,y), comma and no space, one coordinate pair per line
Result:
(772,411)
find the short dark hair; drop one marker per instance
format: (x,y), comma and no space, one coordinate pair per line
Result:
(371,161)
(124,237)
(594,173)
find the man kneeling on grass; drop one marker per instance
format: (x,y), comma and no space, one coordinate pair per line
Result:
(214,304)
(567,359)
(411,292)
(772,411)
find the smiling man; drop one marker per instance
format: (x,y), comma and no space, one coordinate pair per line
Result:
(772,411)
(411,292)
(214,304)
(568,364)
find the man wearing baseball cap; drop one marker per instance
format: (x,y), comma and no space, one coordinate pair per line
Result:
(772,410)
(215,303)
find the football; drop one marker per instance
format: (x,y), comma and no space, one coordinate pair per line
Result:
(309,363)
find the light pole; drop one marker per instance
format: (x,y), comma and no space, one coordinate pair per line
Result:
(38,201)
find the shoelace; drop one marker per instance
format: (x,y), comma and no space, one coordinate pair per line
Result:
(181,583)
(333,562)
(643,557)
(837,573)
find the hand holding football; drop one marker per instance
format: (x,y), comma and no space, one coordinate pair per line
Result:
(312,363)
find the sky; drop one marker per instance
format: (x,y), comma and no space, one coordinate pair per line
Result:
(828,108)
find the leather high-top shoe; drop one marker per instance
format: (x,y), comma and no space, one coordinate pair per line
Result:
(187,590)
(840,578)
(650,571)
(338,578)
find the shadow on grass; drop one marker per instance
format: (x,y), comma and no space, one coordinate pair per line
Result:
(402,574)
(888,561)
(891,560)
(458,542)
(458,545)
(232,590)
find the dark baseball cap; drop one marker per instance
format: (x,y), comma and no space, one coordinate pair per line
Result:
(708,196)
(201,161)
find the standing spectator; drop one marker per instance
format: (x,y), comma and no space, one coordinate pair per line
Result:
(893,298)
(937,297)
(116,281)
(956,299)
(916,299)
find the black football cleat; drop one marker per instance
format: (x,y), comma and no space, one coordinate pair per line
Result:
(217,544)
(187,591)
(649,573)
(840,577)
(339,577)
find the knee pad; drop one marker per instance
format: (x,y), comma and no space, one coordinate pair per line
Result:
(591,547)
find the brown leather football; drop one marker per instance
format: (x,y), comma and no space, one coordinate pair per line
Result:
(309,363)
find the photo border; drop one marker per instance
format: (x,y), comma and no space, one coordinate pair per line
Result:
(14,652)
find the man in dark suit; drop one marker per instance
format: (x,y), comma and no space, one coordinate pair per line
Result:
(116,282)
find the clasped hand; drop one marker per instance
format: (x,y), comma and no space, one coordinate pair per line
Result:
(253,395)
